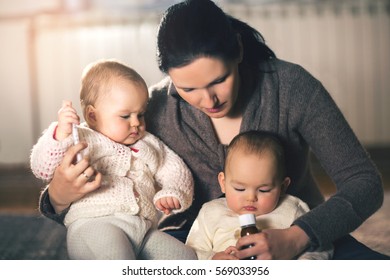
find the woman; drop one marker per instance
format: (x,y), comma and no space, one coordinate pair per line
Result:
(224,80)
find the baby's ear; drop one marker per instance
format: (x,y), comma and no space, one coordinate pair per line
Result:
(90,116)
(221,181)
(286,182)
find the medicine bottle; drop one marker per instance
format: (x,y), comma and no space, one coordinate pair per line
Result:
(248,226)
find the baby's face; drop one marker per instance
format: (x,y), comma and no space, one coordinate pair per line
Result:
(250,183)
(120,113)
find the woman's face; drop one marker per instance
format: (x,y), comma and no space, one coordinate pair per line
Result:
(208,84)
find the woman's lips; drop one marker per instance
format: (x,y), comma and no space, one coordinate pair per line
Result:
(216,109)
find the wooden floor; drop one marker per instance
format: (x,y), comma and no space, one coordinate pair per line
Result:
(19,190)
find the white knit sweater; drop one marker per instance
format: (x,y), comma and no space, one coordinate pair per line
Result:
(133,177)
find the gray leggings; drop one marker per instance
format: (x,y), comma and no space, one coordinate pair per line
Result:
(123,237)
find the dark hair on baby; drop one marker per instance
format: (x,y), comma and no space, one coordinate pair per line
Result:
(259,142)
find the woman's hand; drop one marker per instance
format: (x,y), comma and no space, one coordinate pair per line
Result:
(72,181)
(279,244)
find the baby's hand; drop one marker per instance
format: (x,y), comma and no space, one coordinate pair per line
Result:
(167,204)
(228,254)
(67,115)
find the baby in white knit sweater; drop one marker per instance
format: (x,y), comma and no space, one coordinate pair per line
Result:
(140,173)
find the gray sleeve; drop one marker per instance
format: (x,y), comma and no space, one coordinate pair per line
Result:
(47,209)
(358,182)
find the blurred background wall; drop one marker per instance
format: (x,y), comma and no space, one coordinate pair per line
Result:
(45,44)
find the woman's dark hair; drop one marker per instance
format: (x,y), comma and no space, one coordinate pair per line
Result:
(196,28)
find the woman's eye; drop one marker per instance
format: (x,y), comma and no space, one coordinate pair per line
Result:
(220,80)
(187,89)
(125,117)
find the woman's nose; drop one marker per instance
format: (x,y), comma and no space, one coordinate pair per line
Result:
(209,98)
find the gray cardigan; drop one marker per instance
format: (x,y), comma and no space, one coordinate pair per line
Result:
(288,101)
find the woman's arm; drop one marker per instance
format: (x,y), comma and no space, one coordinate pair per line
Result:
(359,188)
